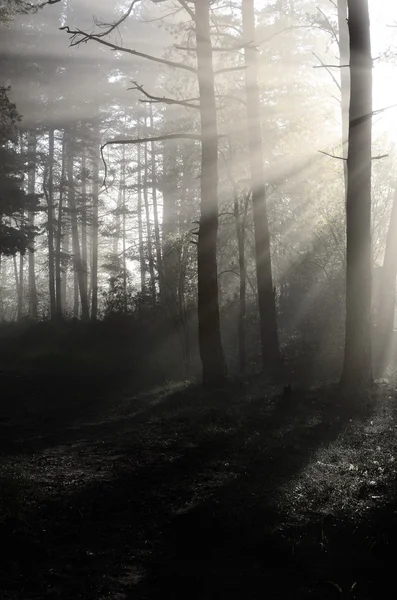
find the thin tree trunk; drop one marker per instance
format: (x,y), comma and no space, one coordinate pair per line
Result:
(75,295)
(148,226)
(266,299)
(155,211)
(95,226)
(170,221)
(344,57)
(142,264)
(84,252)
(21,303)
(50,209)
(78,267)
(211,352)
(124,209)
(116,238)
(14,259)
(33,312)
(65,253)
(58,266)
(387,301)
(240,233)
(357,370)
(2,269)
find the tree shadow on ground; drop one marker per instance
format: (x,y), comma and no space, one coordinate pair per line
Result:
(191,505)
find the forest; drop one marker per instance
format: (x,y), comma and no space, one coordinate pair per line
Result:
(198,267)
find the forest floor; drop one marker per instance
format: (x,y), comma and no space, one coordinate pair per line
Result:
(181,493)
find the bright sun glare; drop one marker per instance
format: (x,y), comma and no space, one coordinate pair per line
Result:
(384,37)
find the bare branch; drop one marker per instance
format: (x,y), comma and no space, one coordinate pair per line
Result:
(332,155)
(331,66)
(124,17)
(157,99)
(189,11)
(343,158)
(230,70)
(330,27)
(78,36)
(336,82)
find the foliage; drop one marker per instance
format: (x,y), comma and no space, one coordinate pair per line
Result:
(15,234)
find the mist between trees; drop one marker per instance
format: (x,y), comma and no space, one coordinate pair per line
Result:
(176,174)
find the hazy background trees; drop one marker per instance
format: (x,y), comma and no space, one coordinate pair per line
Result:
(223,211)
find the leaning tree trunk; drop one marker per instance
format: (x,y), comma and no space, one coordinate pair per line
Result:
(211,352)
(33,311)
(266,297)
(357,370)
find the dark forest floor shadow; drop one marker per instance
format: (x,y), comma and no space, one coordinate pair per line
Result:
(182,493)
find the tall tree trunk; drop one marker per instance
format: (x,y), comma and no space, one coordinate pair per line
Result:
(142,266)
(148,225)
(2,269)
(33,312)
(75,295)
(266,299)
(357,370)
(211,352)
(387,301)
(17,285)
(344,57)
(21,299)
(58,265)
(66,256)
(95,225)
(78,267)
(124,232)
(169,223)
(84,252)
(240,233)
(155,210)
(50,209)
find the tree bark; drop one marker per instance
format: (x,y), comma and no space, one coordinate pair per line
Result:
(50,209)
(240,234)
(266,299)
(58,266)
(142,265)
(170,223)
(95,226)
(33,311)
(78,267)
(357,369)
(21,299)
(148,226)
(84,250)
(211,352)
(155,211)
